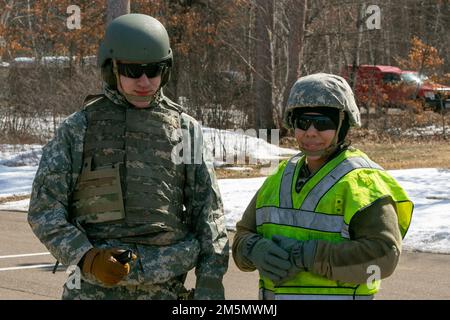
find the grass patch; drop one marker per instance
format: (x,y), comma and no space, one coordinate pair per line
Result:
(224,173)
(14,198)
(408,154)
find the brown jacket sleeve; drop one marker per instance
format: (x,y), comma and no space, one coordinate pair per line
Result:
(245,228)
(374,240)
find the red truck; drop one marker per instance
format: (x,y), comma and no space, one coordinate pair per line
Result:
(390,86)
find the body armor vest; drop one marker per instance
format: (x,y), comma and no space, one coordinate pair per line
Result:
(128,175)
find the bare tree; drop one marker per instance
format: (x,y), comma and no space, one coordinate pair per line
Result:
(5,15)
(357,50)
(296,17)
(116,8)
(263,64)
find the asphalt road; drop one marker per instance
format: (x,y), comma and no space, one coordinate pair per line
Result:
(26,270)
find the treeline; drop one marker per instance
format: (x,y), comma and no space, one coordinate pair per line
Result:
(235,60)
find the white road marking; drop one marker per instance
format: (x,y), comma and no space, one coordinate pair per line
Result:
(36,266)
(25,255)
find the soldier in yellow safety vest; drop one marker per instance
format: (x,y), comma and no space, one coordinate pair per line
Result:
(329,222)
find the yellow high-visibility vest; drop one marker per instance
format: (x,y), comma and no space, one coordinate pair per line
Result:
(323,210)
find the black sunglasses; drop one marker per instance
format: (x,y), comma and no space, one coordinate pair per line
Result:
(136,70)
(320,122)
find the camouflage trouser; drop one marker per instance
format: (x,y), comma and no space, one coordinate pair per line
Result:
(169,290)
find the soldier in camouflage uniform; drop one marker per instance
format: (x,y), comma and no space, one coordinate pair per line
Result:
(111,180)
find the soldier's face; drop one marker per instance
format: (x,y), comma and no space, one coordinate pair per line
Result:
(142,86)
(312,139)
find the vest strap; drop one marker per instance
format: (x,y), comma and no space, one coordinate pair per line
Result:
(91,192)
(100,208)
(106,129)
(102,116)
(112,159)
(112,144)
(91,99)
(287,180)
(320,189)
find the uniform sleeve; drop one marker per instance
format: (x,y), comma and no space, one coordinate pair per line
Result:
(52,186)
(375,240)
(245,229)
(204,206)
(246,233)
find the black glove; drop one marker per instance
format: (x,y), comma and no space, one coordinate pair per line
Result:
(301,253)
(209,288)
(270,260)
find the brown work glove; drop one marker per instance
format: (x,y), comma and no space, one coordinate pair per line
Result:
(102,264)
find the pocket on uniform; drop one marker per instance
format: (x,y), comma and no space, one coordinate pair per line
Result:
(98,197)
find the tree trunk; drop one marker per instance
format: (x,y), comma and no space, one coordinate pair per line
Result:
(5,14)
(296,15)
(116,8)
(356,55)
(263,65)
(386,32)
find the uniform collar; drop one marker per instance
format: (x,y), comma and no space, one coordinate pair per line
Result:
(119,99)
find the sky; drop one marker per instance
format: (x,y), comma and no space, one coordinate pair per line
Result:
(428,188)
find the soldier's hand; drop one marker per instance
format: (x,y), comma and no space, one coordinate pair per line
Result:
(271,260)
(209,288)
(102,264)
(301,253)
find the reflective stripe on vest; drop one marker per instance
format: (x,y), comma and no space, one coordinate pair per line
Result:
(319,190)
(269,295)
(300,219)
(286,182)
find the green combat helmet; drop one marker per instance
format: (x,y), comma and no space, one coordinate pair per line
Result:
(323,90)
(135,38)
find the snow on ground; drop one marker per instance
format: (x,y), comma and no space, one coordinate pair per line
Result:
(236,194)
(239,168)
(237,147)
(16,180)
(20,155)
(429,189)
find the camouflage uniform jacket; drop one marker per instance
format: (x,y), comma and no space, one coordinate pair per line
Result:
(55,181)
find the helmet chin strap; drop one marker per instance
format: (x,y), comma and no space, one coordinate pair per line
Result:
(325,153)
(131,97)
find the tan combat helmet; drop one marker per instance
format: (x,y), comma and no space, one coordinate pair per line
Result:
(323,90)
